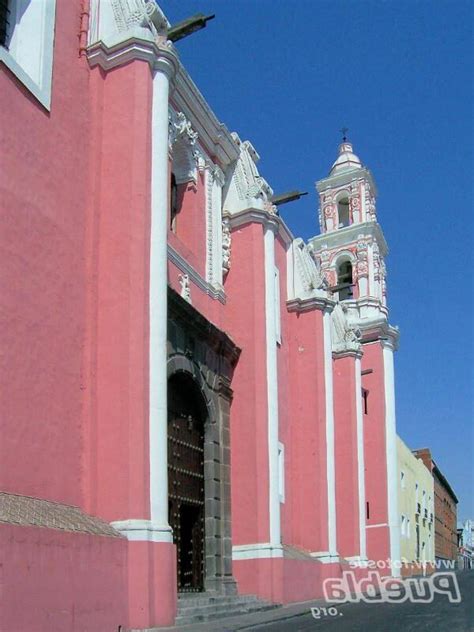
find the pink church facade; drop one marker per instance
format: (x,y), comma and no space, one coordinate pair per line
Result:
(195,400)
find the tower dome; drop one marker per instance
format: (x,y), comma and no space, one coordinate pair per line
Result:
(346,160)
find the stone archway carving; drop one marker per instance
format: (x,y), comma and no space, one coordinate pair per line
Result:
(208,356)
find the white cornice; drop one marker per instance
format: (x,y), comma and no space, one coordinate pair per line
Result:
(309,304)
(261,216)
(350,234)
(194,276)
(108,57)
(345,177)
(214,135)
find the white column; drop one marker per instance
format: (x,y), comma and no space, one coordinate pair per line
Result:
(158,414)
(272,384)
(360,459)
(391,453)
(330,460)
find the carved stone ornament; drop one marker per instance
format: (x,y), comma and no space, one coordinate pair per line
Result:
(185,287)
(187,158)
(344,336)
(329,210)
(362,268)
(226,246)
(141,13)
(249,183)
(307,268)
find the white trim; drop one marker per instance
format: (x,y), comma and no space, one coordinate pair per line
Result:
(272,386)
(325,557)
(194,276)
(370,265)
(331,475)
(281,471)
(361,561)
(143,531)
(40,48)
(158,413)
(360,459)
(375,526)
(391,453)
(256,551)
(277,306)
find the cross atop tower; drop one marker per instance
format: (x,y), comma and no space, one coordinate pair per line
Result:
(344,131)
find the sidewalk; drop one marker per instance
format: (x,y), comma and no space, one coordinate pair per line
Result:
(247,621)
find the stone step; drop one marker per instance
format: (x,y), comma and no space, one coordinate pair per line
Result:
(200,617)
(218,607)
(198,609)
(195,599)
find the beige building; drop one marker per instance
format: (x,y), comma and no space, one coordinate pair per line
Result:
(416,511)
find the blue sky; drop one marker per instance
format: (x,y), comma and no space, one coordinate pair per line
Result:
(287,75)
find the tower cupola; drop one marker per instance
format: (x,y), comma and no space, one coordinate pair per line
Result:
(347,160)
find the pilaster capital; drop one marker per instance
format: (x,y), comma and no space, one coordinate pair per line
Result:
(166,59)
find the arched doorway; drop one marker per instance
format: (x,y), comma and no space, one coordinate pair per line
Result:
(187,415)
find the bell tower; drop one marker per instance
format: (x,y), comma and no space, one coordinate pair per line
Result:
(351,251)
(351,247)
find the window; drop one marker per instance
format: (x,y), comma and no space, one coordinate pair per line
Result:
(281,472)
(367,510)
(365,397)
(277,307)
(343,212)
(4,14)
(174,205)
(26,43)
(402,479)
(408,527)
(403,525)
(344,280)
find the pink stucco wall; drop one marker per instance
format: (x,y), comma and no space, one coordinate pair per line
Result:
(375,453)
(116,419)
(54,581)
(346,461)
(283,580)
(307,446)
(245,287)
(43,172)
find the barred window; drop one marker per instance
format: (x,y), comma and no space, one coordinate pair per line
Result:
(4,14)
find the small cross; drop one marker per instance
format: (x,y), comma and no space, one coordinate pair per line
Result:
(344,131)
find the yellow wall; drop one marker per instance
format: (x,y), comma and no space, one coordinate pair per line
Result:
(411,472)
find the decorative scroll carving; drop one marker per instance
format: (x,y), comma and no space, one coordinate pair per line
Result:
(226,245)
(249,183)
(345,337)
(185,287)
(142,13)
(362,259)
(182,144)
(307,268)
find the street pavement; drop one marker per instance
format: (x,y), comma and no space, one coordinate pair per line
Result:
(438,616)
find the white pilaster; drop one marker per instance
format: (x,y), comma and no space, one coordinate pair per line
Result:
(272,383)
(158,421)
(391,453)
(360,459)
(370,265)
(214,184)
(330,460)
(363,204)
